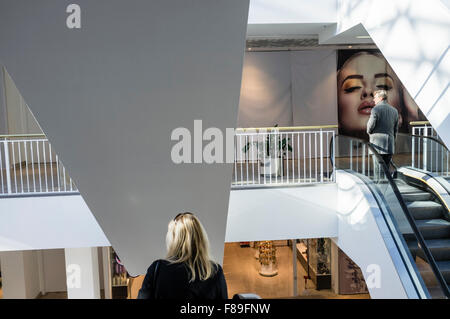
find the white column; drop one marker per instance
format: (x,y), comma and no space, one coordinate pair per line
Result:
(107,285)
(41,273)
(82,272)
(334,267)
(20,276)
(294,268)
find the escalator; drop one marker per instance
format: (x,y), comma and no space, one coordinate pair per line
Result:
(417,217)
(425,187)
(431,218)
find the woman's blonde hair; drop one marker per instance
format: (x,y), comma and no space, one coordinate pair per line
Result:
(187,242)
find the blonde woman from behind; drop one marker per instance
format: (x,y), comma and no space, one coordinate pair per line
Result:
(187,272)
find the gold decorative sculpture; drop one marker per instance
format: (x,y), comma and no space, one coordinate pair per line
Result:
(268,259)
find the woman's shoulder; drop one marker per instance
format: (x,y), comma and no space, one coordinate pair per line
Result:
(217,268)
(157,263)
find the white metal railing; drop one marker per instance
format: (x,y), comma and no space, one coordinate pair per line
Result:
(428,151)
(263,157)
(28,165)
(425,130)
(359,156)
(362,160)
(283,156)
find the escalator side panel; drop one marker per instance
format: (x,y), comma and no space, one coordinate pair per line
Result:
(363,226)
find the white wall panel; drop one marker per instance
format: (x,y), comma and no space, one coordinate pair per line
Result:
(83,279)
(266,90)
(314,95)
(20,275)
(54,270)
(48,222)
(288,88)
(282,213)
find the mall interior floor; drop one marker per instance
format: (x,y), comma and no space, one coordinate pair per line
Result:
(63,295)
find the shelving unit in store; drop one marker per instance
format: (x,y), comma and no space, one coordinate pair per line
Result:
(322,281)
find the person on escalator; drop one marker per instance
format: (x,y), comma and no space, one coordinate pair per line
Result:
(187,272)
(382,127)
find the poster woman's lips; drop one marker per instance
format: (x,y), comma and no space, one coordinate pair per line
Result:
(365,107)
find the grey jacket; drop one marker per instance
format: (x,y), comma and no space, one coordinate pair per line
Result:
(382,127)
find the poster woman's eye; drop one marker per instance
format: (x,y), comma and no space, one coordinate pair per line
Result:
(384,87)
(384,84)
(351,85)
(351,89)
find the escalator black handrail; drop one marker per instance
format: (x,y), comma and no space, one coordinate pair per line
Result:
(413,225)
(409,217)
(430,138)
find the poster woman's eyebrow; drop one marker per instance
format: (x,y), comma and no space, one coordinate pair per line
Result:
(353,76)
(382,75)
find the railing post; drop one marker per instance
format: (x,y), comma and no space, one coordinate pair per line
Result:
(7,166)
(351,154)
(413,147)
(294,267)
(321,156)
(424,149)
(363,169)
(334,157)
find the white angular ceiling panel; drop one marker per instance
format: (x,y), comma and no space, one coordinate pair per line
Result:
(108,96)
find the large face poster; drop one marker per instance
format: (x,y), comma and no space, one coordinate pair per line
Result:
(360,73)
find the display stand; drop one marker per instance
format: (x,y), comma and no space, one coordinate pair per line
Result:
(267,259)
(256,246)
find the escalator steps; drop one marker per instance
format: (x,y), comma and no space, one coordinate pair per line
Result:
(425,209)
(428,216)
(440,248)
(444,267)
(416,196)
(434,228)
(406,189)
